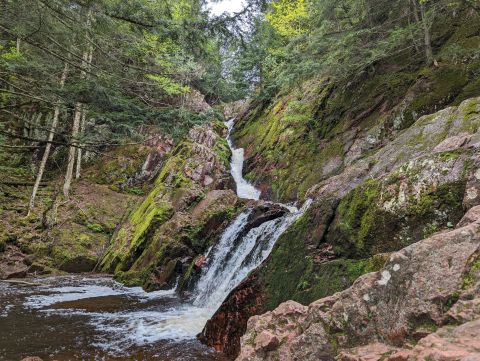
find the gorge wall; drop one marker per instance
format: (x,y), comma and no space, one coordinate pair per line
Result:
(389,158)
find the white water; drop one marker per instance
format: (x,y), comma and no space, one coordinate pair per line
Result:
(233,259)
(244,188)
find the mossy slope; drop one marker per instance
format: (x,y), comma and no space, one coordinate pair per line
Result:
(180,217)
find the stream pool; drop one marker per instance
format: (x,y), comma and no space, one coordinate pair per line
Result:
(96,318)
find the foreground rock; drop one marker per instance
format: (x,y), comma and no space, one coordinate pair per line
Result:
(432,284)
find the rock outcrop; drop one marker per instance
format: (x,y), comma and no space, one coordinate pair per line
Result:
(70,235)
(180,218)
(428,291)
(377,205)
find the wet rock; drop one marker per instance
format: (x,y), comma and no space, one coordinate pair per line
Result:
(264,212)
(228,324)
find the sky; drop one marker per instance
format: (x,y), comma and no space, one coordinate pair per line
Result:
(230,6)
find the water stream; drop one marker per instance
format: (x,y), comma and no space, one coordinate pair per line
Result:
(96,318)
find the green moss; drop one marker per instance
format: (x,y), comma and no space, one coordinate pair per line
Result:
(363,227)
(452,155)
(291,274)
(95,227)
(223,151)
(357,213)
(472,274)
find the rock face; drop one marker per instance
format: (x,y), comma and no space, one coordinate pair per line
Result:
(423,287)
(13,263)
(180,218)
(224,329)
(377,205)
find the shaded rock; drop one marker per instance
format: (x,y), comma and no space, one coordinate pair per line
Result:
(157,147)
(228,324)
(13,263)
(263,212)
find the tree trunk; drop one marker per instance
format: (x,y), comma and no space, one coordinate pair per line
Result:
(76,122)
(427,35)
(83,120)
(72,150)
(41,169)
(79,150)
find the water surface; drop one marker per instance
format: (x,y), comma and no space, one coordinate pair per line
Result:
(95,318)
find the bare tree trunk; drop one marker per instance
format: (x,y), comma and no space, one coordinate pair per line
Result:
(72,150)
(18,45)
(41,169)
(82,123)
(420,14)
(79,150)
(76,123)
(427,35)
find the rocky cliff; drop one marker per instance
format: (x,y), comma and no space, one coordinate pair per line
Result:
(185,212)
(418,184)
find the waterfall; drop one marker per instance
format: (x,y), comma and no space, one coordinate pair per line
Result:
(234,257)
(244,188)
(239,250)
(236,254)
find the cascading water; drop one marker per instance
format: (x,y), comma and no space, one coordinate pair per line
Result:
(232,261)
(112,319)
(233,257)
(244,189)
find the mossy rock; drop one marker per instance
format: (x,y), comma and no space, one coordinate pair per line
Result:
(294,271)
(73,260)
(363,227)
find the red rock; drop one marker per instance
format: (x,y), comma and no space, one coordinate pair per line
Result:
(224,329)
(417,283)
(199,262)
(266,341)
